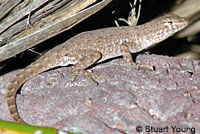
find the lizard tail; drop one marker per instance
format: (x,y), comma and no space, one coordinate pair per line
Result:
(10,97)
(16,83)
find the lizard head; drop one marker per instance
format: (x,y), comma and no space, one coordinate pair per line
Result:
(161,28)
(171,23)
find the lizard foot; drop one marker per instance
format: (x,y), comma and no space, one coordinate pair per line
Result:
(88,73)
(138,66)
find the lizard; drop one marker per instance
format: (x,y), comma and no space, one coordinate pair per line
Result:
(90,47)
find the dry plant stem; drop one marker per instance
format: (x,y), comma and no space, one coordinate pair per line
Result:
(19,15)
(41,16)
(6,7)
(72,8)
(132,19)
(22,44)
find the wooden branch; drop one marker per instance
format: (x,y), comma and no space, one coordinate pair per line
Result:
(58,22)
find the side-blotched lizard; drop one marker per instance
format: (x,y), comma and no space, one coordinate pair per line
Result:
(87,48)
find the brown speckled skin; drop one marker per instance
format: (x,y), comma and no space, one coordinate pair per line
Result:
(90,47)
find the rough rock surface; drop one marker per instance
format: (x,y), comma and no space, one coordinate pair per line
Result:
(165,98)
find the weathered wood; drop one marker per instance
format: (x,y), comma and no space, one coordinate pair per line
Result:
(61,20)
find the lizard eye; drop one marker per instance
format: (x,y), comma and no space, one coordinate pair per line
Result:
(170,22)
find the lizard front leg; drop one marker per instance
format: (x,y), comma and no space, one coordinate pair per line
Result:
(128,57)
(89,58)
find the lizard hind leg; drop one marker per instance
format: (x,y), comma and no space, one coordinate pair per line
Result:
(89,58)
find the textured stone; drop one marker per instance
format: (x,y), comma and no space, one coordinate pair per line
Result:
(170,95)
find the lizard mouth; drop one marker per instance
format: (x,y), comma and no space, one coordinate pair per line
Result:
(180,24)
(185,22)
